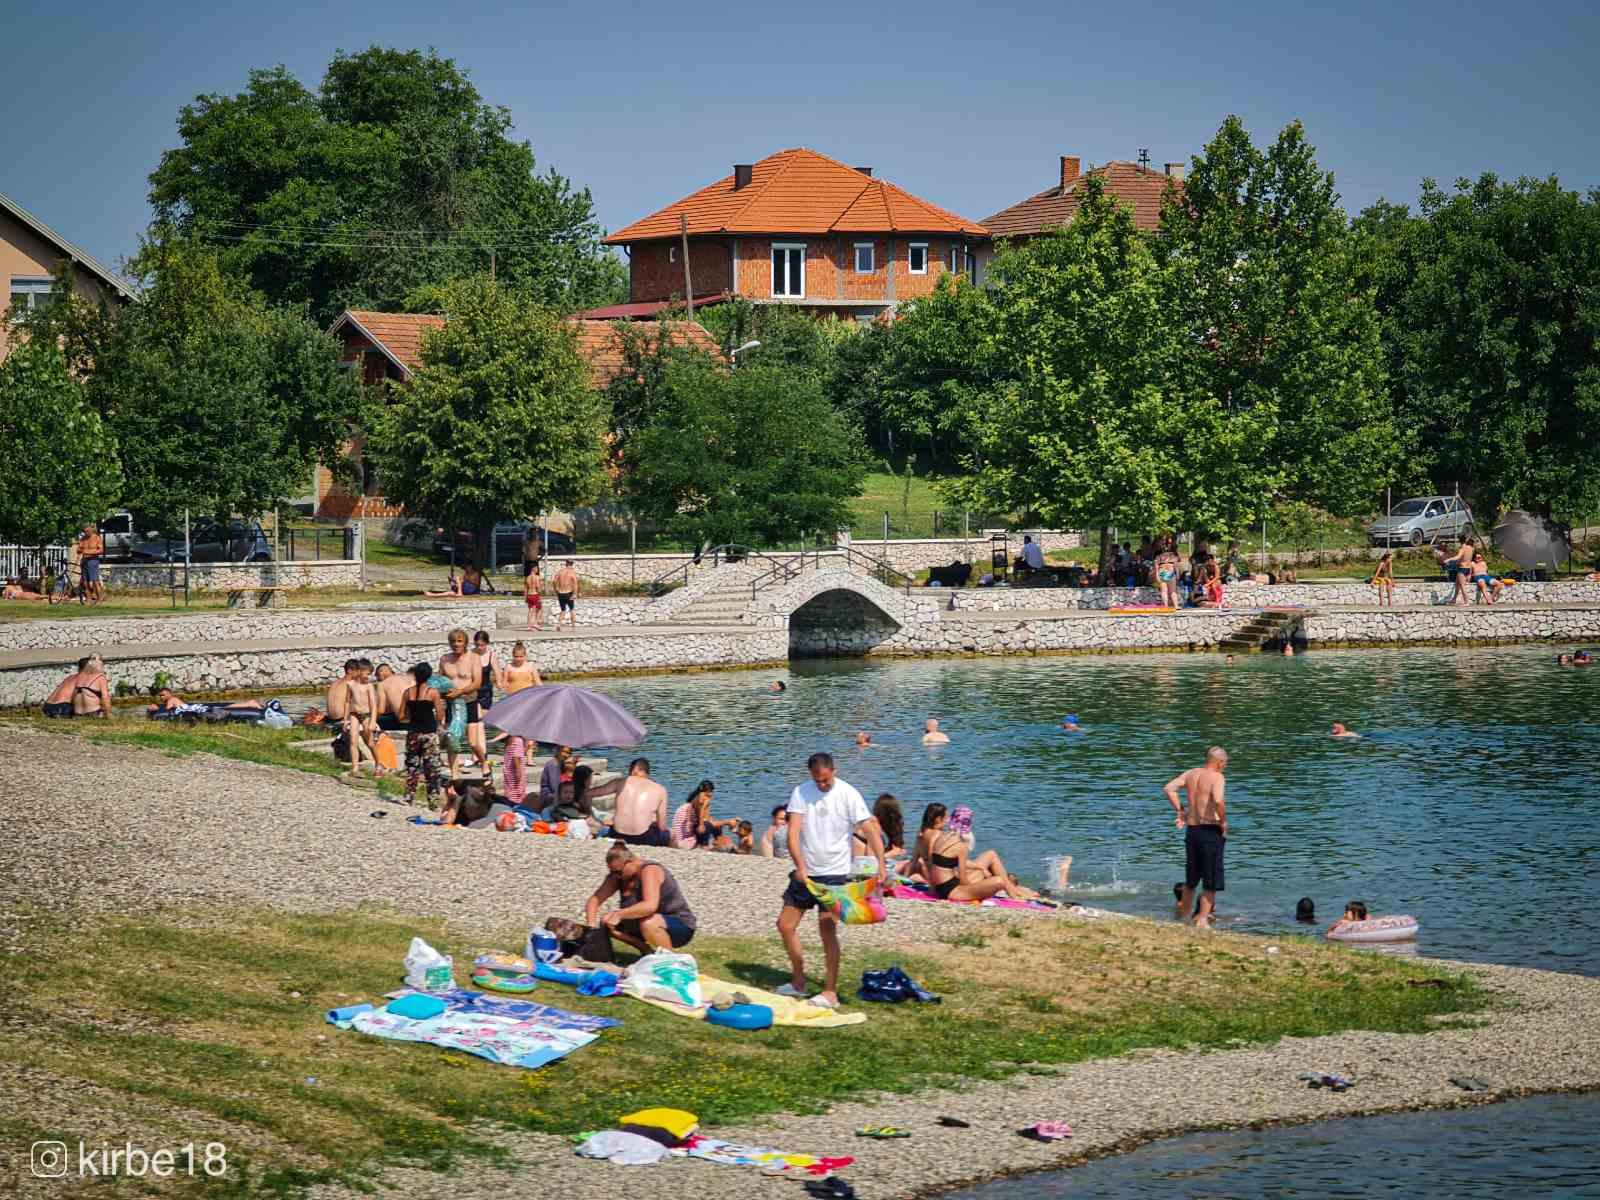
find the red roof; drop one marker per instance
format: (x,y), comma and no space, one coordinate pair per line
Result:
(399,335)
(1128,182)
(799,192)
(644,310)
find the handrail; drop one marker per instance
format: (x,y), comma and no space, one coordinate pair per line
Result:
(732,551)
(851,556)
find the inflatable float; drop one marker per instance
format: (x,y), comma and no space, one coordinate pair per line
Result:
(741,1016)
(1376,929)
(504,973)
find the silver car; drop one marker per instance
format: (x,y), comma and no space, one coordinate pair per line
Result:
(1422,520)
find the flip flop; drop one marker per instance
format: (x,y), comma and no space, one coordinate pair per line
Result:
(789,990)
(1047,1131)
(954,1123)
(882,1131)
(1468,1084)
(818,1002)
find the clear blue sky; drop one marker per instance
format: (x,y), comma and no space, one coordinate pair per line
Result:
(967,105)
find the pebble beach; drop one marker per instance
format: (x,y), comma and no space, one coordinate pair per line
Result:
(139,831)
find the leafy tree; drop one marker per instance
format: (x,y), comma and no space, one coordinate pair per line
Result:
(393,174)
(790,337)
(221,403)
(499,421)
(61,467)
(1094,428)
(1493,327)
(78,325)
(637,392)
(1264,278)
(757,456)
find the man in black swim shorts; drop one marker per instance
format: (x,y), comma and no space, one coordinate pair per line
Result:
(1204,820)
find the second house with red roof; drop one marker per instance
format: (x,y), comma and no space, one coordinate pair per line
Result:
(796,228)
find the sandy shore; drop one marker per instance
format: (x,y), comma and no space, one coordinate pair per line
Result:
(138,830)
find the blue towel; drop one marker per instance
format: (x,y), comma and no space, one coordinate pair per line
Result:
(337,1015)
(416,1006)
(599,983)
(466,1000)
(543,970)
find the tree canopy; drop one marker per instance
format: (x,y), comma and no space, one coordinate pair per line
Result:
(498,422)
(394,173)
(61,470)
(221,403)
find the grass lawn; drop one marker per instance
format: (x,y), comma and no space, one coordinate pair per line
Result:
(910,513)
(212,1021)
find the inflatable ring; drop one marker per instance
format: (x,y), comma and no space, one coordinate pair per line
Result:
(504,964)
(496,982)
(1377,929)
(741,1016)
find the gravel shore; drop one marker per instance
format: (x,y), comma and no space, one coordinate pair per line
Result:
(138,830)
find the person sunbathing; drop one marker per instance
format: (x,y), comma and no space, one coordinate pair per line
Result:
(942,857)
(19,591)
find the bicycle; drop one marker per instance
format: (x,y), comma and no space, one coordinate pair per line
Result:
(58,587)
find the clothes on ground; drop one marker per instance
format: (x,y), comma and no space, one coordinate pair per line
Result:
(464,1000)
(893,985)
(624,1149)
(733,1154)
(785,1009)
(505,1040)
(828,818)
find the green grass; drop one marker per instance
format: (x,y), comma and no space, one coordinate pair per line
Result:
(191,1021)
(911,511)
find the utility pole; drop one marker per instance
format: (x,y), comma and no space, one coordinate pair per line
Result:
(688,283)
(491,264)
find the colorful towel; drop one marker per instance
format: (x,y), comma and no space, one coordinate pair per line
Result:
(733,1154)
(855,903)
(503,1040)
(785,1010)
(462,1000)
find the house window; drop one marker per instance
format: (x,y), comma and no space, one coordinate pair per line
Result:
(789,269)
(866,260)
(30,291)
(918,258)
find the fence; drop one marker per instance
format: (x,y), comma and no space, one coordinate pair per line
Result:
(31,562)
(317,543)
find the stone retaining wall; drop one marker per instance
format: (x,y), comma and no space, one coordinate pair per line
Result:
(1025,635)
(1453,626)
(245,625)
(218,577)
(1310,595)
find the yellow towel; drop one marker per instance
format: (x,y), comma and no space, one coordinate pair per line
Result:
(785,1011)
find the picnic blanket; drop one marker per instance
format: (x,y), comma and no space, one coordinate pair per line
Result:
(466,1000)
(509,1041)
(785,1011)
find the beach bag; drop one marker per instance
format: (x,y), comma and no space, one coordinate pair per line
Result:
(275,717)
(665,975)
(857,903)
(427,970)
(383,750)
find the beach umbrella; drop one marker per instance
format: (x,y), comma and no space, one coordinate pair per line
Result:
(566,716)
(1530,540)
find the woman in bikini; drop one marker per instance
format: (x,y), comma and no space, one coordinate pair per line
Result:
(1383,579)
(519,675)
(942,857)
(1167,574)
(84,693)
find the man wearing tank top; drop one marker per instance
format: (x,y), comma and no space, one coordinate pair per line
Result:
(651,913)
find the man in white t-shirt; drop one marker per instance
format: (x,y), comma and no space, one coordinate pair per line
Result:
(822,815)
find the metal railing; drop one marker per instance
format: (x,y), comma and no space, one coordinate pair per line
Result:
(317,544)
(874,568)
(730,552)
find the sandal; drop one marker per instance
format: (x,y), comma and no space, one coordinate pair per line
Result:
(954,1123)
(1047,1131)
(789,990)
(818,1002)
(882,1131)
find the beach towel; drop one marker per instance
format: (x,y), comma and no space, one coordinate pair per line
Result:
(901,891)
(461,1000)
(855,903)
(733,1154)
(785,1009)
(504,1040)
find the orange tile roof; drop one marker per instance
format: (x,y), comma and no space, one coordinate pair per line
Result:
(1125,181)
(799,192)
(399,335)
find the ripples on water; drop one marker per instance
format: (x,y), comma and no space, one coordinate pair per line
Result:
(1526,1148)
(1470,802)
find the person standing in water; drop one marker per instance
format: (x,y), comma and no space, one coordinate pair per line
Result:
(1204,820)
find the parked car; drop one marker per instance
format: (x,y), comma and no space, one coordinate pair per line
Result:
(238,541)
(120,535)
(1422,519)
(508,538)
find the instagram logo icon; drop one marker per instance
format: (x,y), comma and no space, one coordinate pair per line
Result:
(49,1160)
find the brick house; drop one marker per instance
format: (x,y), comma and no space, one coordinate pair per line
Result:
(386,348)
(797,228)
(1137,186)
(29,253)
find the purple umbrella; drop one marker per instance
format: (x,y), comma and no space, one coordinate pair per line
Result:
(566,716)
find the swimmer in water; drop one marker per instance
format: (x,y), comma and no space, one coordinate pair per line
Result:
(1563,660)
(1288,649)
(930,734)
(1229,660)
(778,687)
(864,740)
(1306,910)
(1070,723)
(1063,865)
(1356,910)
(1339,731)
(1582,659)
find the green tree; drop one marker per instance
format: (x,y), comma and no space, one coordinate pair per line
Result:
(221,403)
(1266,281)
(394,173)
(790,337)
(637,392)
(61,470)
(757,456)
(498,422)
(78,325)
(1493,324)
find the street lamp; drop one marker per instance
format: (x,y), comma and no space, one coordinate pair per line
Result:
(734,355)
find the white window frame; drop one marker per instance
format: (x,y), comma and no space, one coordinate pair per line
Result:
(872,258)
(911,267)
(786,247)
(33,287)
(672,253)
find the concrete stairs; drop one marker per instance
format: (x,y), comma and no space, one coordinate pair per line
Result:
(724,602)
(1262,628)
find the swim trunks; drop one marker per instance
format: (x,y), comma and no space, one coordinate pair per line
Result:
(650,837)
(797,895)
(566,601)
(91,570)
(474,715)
(1203,846)
(63,709)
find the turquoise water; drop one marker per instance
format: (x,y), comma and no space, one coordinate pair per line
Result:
(1527,1148)
(1471,801)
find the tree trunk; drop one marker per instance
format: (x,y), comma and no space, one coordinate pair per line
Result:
(1105,553)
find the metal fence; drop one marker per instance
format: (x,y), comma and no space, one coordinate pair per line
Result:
(31,562)
(316,543)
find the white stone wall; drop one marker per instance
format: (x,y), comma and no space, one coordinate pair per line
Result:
(1481,624)
(244,625)
(1025,635)
(1243,595)
(217,577)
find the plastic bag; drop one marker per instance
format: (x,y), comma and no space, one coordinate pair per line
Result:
(579,830)
(427,970)
(665,975)
(455,733)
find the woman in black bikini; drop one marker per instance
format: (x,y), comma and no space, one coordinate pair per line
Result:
(941,856)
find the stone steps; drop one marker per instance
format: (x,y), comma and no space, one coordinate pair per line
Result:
(1261,629)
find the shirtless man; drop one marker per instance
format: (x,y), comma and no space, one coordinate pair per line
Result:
(464,670)
(91,549)
(1205,824)
(931,735)
(391,694)
(566,585)
(349,708)
(641,815)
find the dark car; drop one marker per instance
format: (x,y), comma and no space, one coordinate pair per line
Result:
(508,538)
(238,541)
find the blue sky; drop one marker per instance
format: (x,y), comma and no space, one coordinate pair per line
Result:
(966,105)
